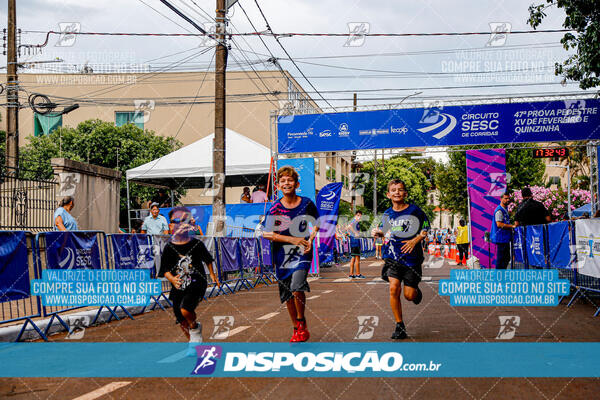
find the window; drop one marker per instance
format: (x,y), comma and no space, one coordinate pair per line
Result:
(345,181)
(45,124)
(554,180)
(317,166)
(330,173)
(126,117)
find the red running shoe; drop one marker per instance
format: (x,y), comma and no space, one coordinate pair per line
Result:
(295,336)
(303,334)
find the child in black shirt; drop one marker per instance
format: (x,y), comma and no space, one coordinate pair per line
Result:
(182,264)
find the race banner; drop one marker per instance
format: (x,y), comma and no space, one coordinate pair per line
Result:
(439,125)
(486,182)
(519,245)
(132,251)
(587,234)
(306,175)
(72,250)
(559,249)
(14,267)
(535,237)
(250,254)
(328,204)
(230,257)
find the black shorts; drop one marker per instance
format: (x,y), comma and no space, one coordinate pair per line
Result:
(355,251)
(410,275)
(187,299)
(296,282)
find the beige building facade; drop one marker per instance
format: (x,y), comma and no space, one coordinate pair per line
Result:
(162,102)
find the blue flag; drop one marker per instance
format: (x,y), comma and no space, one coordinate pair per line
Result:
(536,249)
(328,204)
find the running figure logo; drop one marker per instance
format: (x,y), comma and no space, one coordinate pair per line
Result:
(508,326)
(223,324)
(366,326)
(207,359)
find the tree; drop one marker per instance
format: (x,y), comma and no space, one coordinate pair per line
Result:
(451,177)
(524,169)
(100,143)
(582,16)
(451,181)
(398,167)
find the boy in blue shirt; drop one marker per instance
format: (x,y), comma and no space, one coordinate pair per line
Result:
(287,226)
(405,225)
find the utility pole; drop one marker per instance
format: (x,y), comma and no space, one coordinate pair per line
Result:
(353,167)
(12,91)
(219,139)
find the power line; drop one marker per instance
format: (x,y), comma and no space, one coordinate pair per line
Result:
(182,15)
(163,15)
(288,54)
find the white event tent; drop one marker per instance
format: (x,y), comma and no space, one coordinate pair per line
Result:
(246,162)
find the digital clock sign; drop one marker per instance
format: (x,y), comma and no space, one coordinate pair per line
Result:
(551,152)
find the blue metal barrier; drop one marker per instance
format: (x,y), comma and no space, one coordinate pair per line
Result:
(18,265)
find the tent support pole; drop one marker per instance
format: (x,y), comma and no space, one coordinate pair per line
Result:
(172,199)
(128,212)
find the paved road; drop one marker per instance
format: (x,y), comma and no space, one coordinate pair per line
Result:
(333,307)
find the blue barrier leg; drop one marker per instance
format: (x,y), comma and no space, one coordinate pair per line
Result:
(38,330)
(62,322)
(109,319)
(124,310)
(574,297)
(597,312)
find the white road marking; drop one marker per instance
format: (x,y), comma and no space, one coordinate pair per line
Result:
(376,283)
(376,264)
(111,387)
(426,278)
(238,330)
(313,297)
(342,280)
(267,316)
(378,279)
(327,291)
(313,279)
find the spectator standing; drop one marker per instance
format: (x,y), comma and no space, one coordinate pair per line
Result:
(259,195)
(530,211)
(63,220)
(246,196)
(155,224)
(501,232)
(462,241)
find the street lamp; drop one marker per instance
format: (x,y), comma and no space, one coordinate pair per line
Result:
(568,168)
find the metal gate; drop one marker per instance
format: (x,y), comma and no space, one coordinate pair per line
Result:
(26,204)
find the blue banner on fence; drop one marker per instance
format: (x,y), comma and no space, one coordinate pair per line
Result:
(519,245)
(328,204)
(132,251)
(269,360)
(559,250)
(246,215)
(72,250)
(230,259)
(249,250)
(265,246)
(306,175)
(440,126)
(536,249)
(14,268)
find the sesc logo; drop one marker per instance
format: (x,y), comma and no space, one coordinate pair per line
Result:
(343,130)
(207,359)
(441,123)
(325,133)
(69,259)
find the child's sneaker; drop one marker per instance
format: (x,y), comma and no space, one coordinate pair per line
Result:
(196,333)
(295,337)
(400,332)
(418,297)
(360,276)
(351,276)
(303,334)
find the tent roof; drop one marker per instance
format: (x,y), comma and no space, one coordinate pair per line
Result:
(189,167)
(586,208)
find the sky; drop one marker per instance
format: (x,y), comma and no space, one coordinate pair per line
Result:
(433,67)
(382,70)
